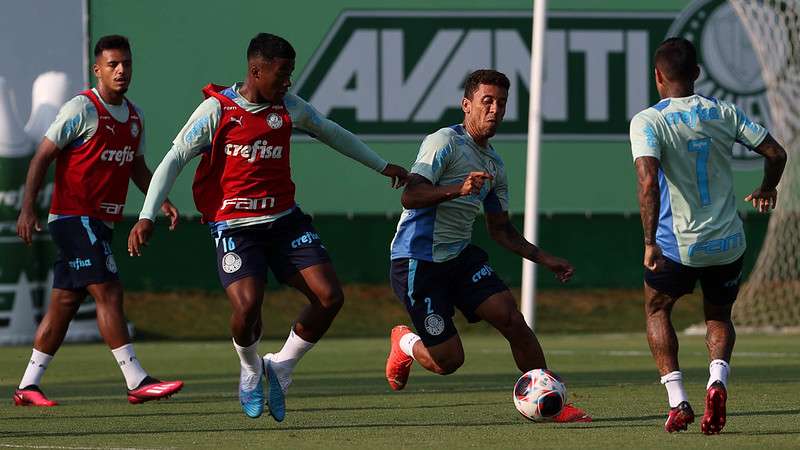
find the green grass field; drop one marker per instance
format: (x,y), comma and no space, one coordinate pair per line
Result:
(339,398)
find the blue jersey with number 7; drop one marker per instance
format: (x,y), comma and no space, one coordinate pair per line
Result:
(693,138)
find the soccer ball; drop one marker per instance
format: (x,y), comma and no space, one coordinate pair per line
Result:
(539,395)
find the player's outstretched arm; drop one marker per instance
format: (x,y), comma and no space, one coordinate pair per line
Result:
(27,221)
(506,234)
(649,206)
(305,117)
(142,176)
(421,193)
(766,196)
(162,181)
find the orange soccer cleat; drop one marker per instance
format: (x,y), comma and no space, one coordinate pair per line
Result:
(398,364)
(714,416)
(153,389)
(32,396)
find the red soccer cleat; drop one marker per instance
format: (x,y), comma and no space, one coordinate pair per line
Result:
(571,413)
(714,416)
(152,389)
(679,418)
(398,364)
(32,396)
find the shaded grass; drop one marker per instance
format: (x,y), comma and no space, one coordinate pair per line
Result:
(371,310)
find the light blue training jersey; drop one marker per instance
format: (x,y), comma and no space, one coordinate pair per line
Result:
(693,137)
(439,233)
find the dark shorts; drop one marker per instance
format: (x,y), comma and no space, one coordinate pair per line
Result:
(287,246)
(720,284)
(84,253)
(431,291)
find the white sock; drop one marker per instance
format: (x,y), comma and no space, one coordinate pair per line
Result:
(407,343)
(35,370)
(131,369)
(718,371)
(293,349)
(249,358)
(673,381)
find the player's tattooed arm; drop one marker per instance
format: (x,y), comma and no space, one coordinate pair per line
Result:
(421,193)
(649,206)
(649,195)
(506,234)
(766,196)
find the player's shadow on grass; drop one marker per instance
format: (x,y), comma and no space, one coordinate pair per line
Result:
(778,412)
(263,426)
(237,412)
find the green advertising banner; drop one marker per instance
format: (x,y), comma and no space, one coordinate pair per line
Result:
(394,73)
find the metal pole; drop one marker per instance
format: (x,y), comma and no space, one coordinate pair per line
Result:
(532,165)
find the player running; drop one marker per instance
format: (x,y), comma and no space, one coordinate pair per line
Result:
(682,150)
(244,191)
(435,269)
(97,141)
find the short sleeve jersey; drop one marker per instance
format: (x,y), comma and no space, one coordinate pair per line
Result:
(439,233)
(76,122)
(693,137)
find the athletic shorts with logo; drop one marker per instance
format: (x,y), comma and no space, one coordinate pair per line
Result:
(84,252)
(285,246)
(720,284)
(432,291)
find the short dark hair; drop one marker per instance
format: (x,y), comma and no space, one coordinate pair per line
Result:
(676,58)
(484,76)
(111,42)
(269,46)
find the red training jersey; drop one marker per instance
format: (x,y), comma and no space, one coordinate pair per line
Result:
(92,178)
(246,173)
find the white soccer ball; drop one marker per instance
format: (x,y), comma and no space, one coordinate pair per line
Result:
(539,395)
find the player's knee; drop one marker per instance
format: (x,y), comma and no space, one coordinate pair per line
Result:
(331,298)
(108,296)
(67,301)
(660,304)
(448,364)
(246,306)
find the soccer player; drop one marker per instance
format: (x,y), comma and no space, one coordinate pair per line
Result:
(682,150)
(244,191)
(97,141)
(435,269)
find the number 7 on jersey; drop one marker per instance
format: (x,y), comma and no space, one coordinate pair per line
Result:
(701,147)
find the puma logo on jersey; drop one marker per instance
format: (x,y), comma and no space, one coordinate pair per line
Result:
(118,156)
(258,150)
(110,128)
(237,120)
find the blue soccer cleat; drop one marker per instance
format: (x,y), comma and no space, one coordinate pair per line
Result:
(277,395)
(252,400)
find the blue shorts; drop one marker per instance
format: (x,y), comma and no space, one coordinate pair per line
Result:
(432,291)
(84,253)
(720,284)
(287,246)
